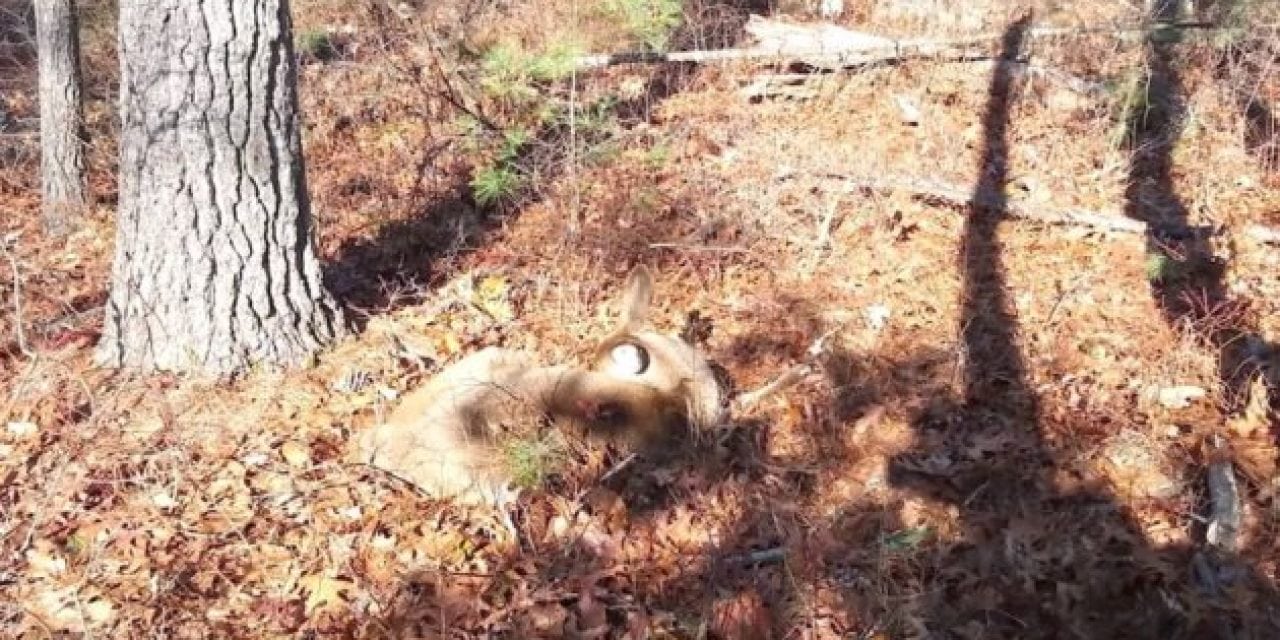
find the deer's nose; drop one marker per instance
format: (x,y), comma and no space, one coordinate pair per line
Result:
(602,412)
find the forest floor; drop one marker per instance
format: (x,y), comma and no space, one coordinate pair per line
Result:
(1007,435)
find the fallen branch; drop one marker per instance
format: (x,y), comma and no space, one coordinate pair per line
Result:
(787,379)
(817,56)
(1263,234)
(696,247)
(763,556)
(1210,565)
(801,85)
(1224,505)
(617,468)
(954,196)
(790,377)
(830,46)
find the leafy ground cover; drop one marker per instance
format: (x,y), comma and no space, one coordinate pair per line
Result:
(1007,436)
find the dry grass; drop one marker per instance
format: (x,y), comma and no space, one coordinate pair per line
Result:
(934,481)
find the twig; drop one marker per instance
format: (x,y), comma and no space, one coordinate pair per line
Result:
(763,556)
(617,468)
(823,241)
(695,247)
(788,378)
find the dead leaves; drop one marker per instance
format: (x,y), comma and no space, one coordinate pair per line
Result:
(1178,396)
(279,615)
(1138,466)
(591,620)
(224,504)
(490,296)
(295,453)
(57,595)
(743,615)
(71,609)
(325,595)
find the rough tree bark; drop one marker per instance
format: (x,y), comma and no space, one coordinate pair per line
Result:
(61,141)
(215,267)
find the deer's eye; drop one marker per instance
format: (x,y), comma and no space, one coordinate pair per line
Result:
(629,359)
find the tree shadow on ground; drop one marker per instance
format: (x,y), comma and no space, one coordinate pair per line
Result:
(1188,278)
(1037,529)
(1025,541)
(1041,547)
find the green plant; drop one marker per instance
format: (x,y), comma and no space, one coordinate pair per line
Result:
(531,460)
(556,63)
(650,21)
(517,97)
(495,183)
(501,178)
(1239,21)
(657,156)
(647,200)
(509,72)
(595,124)
(503,74)
(601,153)
(905,539)
(1132,105)
(1160,268)
(513,140)
(470,131)
(317,44)
(599,115)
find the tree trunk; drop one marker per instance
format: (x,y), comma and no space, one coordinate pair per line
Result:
(61,141)
(215,266)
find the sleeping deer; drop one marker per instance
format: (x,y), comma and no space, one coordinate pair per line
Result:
(640,387)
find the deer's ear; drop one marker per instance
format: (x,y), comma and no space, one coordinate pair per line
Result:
(635,300)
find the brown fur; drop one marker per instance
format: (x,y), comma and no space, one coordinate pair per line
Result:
(444,436)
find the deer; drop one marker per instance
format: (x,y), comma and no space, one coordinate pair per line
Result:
(640,387)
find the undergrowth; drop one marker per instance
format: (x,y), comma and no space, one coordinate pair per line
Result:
(650,22)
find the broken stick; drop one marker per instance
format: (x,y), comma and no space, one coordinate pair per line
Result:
(954,196)
(831,47)
(790,377)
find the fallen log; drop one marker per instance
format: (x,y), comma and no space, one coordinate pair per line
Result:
(827,46)
(954,196)
(802,85)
